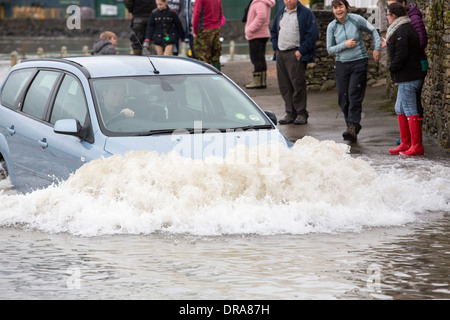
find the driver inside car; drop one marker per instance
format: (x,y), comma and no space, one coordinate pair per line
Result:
(114,103)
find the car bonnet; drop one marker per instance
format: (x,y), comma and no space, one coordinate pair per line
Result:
(197,145)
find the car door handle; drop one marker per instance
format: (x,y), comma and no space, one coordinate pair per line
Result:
(43,143)
(11,130)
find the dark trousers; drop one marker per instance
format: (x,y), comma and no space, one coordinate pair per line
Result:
(419,96)
(257,49)
(351,80)
(292,82)
(137,36)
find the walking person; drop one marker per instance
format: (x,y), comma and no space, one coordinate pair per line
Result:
(415,15)
(345,40)
(141,10)
(206,22)
(403,46)
(294,33)
(163,28)
(257,33)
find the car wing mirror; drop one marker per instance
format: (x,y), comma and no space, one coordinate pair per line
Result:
(70,127)
(271,116)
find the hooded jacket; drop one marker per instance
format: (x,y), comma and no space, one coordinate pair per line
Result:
(103,46)
(258,18)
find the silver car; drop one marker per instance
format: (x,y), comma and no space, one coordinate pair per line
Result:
(58,114)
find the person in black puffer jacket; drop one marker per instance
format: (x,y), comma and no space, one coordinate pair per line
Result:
(163,28)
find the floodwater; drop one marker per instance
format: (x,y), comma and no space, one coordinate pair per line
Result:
(324,225)
(321,224)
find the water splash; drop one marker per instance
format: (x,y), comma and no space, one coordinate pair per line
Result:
(316,186)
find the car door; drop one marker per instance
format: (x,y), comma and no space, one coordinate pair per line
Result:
(44,156)
(66,153)
(26,147)
(11,95)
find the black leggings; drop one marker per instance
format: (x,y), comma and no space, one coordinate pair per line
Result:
(258,53)
(351,79)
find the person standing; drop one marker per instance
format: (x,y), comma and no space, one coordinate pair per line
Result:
(141,10)
(206,21)
(417,22)
(403,46)
(163,28)
(178,6)
(294,33)
(106,44)
(257,33)
(345,40)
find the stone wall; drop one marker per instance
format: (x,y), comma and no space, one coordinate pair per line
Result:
(436,91)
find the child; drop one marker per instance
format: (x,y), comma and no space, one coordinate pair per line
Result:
(106,44)
(162,28)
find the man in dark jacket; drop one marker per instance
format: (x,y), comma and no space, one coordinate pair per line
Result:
(403,46)
(141,10)
(294,34)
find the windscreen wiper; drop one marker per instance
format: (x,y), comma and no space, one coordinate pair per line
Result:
(253,127)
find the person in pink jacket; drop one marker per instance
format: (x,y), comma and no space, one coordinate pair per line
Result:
(257,33)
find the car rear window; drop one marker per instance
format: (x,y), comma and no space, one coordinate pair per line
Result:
(14,85)
(38,94)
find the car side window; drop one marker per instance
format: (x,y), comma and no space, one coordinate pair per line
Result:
(14,86)
(70,102)
(38,94)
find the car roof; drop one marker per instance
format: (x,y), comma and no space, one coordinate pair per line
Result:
(130,65)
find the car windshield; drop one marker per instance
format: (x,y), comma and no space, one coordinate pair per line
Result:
(162,104)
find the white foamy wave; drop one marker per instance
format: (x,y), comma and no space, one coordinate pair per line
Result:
(316,186)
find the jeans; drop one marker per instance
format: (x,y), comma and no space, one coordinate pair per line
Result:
(406,97)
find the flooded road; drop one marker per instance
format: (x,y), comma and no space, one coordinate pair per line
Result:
(114,236)
(331,221)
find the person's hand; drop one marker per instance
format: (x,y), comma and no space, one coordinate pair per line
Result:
(145,46)
(376,55)
(298,55)
(383,43)
(350,43)
(128,113)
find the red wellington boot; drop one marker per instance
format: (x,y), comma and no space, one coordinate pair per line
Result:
(405,136)
(415,127)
